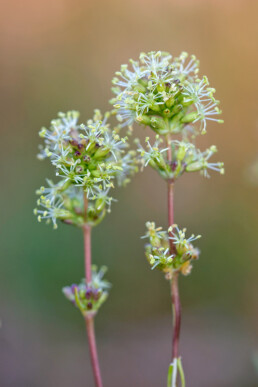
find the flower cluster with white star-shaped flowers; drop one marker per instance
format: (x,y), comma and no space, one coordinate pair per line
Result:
(165,93)
(158,251)
(88,160)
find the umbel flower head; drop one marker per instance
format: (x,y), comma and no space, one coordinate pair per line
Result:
(88,159)
(158,253)
(88,297)
(165,93)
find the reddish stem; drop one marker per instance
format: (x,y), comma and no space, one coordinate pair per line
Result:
(177,314)
(90,318)
(171,213)
(93,350)
(174,281)
(87,251)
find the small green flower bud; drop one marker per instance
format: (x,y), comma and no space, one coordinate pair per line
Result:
(140,88)
(181,152)
(187,102)
(157,123)
(170,102)
(151,259)
(100,204)
(189,117)
(213,149)
(144,119)
(160,87)
(42,132)
(143,81)
(101,152)
(155,107)
(193,167)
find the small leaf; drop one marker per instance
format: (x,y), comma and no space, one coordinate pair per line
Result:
(181,372)
(170,372)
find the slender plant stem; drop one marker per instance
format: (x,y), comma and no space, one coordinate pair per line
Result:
(87,251)
(90,318)
(93,350)
(174,281)
(177,315)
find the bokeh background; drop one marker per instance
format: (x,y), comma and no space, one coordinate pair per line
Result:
(60,55)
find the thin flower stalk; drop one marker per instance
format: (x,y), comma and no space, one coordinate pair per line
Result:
(89,318)
(176,305)
(167,95)
(88,159)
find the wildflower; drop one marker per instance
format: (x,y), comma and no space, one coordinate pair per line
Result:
(164,93)
(183,245)
(52,211)
(158,251)
(87,158)
(185,158)
(88,297)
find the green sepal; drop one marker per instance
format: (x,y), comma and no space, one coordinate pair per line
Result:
(78,302)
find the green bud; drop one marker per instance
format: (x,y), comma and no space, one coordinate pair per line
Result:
(157,123)
(170,102)
(189,117)
(101,152)
(152,164)
(100,205)
(151,259)
(144,119)
(140,88)
(181,152)
(96,173)
(177,108)
(155,107)
(91,146)
(42,132)
(160,87)
(161,163)
(155,241)
(187,102)
(143,82)
(197,166)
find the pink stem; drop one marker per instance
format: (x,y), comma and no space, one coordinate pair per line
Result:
(93,350)
(90,318)
(87,251)
(174,281)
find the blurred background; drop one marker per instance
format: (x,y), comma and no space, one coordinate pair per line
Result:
(60,55)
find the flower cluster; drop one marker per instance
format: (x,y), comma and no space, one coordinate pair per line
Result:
(185,158)
(164,93)
(87,159)
(158,250)
(88,297)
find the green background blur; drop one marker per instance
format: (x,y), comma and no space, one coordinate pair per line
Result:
(62,54)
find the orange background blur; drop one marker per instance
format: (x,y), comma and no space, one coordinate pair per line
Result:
(62,54)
